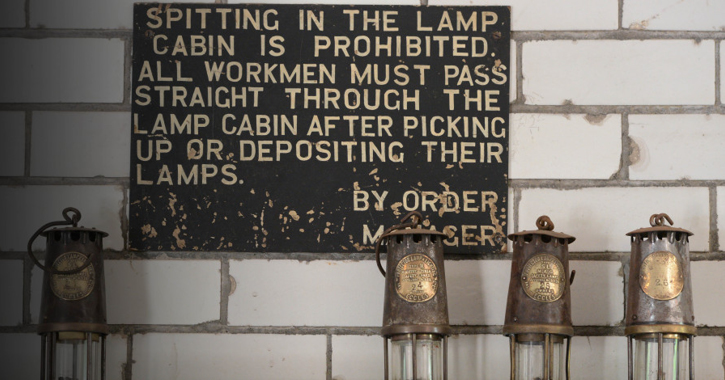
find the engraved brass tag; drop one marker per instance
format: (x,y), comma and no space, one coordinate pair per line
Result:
(543,278)
(72,287)
(661,276)
(416,278)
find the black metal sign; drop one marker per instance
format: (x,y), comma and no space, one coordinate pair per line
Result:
(312,128)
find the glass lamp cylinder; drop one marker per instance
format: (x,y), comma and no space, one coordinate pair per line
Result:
(73,325)
(660,323)
(538,311)
(415,316)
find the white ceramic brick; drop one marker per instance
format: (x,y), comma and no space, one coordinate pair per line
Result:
(72,144)
(512,73)
(357,357)
(552,14)
(709,357)
(11,292)
(166,292)
(722,70)
(600,217)
(598,357)
(20,356)
(721,216)
(229,356)
(86,14)
(565,147)
(61,70)
(604,72)
(674,15)
(12,14)
(293,293)
(707,300)
(483,357)
(677,146)
(30,207)
(597,294)
(12,144)
(477,291)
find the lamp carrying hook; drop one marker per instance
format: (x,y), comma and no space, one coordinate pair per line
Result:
(416,217)
(659,220)
(69,221)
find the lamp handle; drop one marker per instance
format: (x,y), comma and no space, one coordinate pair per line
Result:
(69,220)
(417,218)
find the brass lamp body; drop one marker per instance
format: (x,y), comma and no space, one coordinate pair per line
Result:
(538,310)
(660,321)
(415,315)
(72,324)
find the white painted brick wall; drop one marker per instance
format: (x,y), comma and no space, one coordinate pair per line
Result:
(484,357)
(11,292)
(707,280)
(720,200)
(553,14)
(674,15)
(20,356)
(722,69)
(708,357)
(76,144)
(666,150)
(232,356)
(606,72)
(599,357)
(477,291)
(31,207)
(61,70)
(165,292)
(600,217)
(597,294)
(292,293)
(564,146)
(357,357)
(12,14)
(12,143)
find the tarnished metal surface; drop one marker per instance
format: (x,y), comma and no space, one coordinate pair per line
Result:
(543,278)
(666,305)
(74,301)
(425,309)
(526,314)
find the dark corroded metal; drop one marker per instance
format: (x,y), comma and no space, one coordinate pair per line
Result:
(539,298)
(403,312)
(73,296)
(659,293)
(525,314)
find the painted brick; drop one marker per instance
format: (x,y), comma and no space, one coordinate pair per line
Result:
(11,292)
(722,70)
(292,293)
(666,150)
(61,70)
(357,357)
(618,72)
(199,356)
(674,15)
(597,294)
(721,216)
(12,144)
(30,207)
(12,14)
(564,146)
(512,73)
(86,14)
(20,356)
(167,292)
(600,217)
(478,357)
(598,357)
(477,291)
(709,305)
(708,357)
(540,15)
(71,144)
